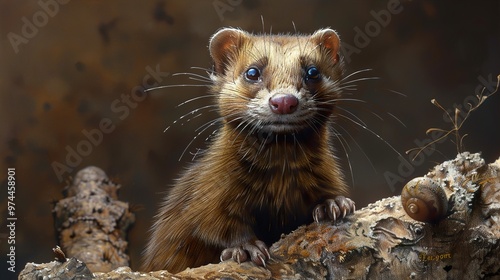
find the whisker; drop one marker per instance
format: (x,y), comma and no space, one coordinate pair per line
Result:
(262,21)
(312,125)
(342,100)
(194,111)
(345,145)
(360,148)
(200,79)
(213,108)
(211,135)
(173,86)
(358,119)
(212,122)
(206,126)
(398,93)
(189,144)
(348,87)
(203,127)
(211,71)
(198,150)
(238,95)
(194,99)
(355,73)
(396,118)
(360,79)
(241,131)
(204,78)
(379,137)
(376,115)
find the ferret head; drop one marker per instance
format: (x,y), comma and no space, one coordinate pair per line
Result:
(280,84)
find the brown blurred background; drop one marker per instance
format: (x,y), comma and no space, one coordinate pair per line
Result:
(66,67)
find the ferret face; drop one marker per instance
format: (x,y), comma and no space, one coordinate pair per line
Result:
(276,84)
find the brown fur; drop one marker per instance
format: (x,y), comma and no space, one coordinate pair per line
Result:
(254,184)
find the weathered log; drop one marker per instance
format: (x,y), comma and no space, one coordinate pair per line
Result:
(71,269)
(92,223)
(381,241)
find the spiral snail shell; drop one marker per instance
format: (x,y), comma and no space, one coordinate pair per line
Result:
(424,200)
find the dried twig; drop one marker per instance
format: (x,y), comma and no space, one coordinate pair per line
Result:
(457,123)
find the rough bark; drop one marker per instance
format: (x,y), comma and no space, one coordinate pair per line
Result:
(380,241)
(92,223)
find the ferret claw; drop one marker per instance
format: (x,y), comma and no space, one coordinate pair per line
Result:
(256,250)
(335,208)
(263,262)
(267,254)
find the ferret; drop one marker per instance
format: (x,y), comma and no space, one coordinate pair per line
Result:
(271,167)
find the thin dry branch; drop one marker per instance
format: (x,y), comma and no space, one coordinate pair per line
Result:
(456,121)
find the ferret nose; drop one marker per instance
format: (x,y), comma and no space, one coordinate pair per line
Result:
(283,103)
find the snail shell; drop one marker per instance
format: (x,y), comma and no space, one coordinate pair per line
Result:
(424,200)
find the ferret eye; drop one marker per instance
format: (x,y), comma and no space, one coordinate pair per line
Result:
(252,74)
(312,74)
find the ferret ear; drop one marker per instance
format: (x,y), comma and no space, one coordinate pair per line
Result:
(224,46)
(328,40)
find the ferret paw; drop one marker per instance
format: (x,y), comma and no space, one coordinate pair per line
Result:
(333,209)
(256,250)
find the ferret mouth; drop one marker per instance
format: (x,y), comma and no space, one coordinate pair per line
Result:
(284,133)
(282,128)
(280,125)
